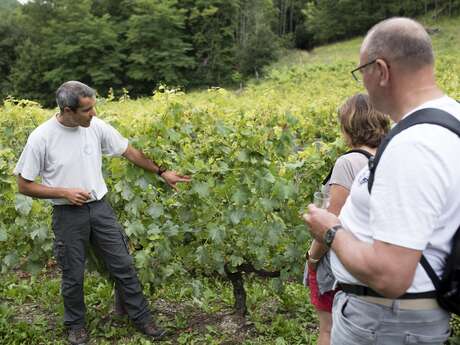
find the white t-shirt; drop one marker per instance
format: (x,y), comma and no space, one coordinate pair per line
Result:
(414,201)
(70,157)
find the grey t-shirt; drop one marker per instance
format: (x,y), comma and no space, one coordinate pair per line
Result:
(345,169)
(70,157)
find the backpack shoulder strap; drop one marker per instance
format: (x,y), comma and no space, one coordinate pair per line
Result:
(363,152)
(430,271)
(430,116)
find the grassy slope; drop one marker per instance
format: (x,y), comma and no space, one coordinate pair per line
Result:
(197,311)
(444,42)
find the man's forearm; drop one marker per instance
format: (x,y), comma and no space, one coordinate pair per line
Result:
(386,268)
(138,158)
(355,255)
(40,191)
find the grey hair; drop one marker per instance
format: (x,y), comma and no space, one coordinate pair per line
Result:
(401,39)
(69,94)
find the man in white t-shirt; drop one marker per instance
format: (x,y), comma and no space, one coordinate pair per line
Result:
(66,152)
(378,239)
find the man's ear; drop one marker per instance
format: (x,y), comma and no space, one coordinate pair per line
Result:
(67,110)
(384,72)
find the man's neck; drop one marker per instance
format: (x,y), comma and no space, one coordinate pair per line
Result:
(412,93)
(63,120)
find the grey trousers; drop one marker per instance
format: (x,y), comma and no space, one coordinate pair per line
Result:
(94,223)
(358,322)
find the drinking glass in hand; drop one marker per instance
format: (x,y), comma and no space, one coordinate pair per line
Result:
(321,199)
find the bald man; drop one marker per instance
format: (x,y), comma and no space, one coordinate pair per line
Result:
(378,239)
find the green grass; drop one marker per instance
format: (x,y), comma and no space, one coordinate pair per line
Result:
(194,312)
(444,42)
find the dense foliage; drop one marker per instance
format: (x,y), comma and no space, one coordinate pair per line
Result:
(331,20)
(255,156)
(138,45)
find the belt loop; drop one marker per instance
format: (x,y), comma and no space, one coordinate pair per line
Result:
(395,306)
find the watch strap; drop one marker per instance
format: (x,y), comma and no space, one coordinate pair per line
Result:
(330,234)
(160,171)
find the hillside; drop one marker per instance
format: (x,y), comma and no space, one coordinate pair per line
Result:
(446,34)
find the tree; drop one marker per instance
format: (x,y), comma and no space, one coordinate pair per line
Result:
(83,47)
(210,25)
(257,43)
(331,20)
(11,35)
(156,43)
(66,43)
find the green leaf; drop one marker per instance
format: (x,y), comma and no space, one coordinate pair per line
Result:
(3,235)
(239,197)
(202,255)
(273,235)
(34,267)
(155,210)
(154,229)
(41,233)
(23,204)
(134,228)
(296,165)
(11,259)
(243,156)
(171,229)
(222,129)
(142,258)
(236,260)
(268,204)
(236,216)
(127,192)
(280,341)
(133,207)
(284,190)
(201,188)
(142,183)
(277,285)
(269,177)
(215,233)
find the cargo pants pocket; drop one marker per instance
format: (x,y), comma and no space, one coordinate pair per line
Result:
(425,339)
(59,246)
(60,253)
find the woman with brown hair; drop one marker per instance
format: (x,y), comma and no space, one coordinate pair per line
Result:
(363,128)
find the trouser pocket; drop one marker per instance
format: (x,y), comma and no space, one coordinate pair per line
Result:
(59,246)
(349,326)
(60,253)
(125,240)
(433,339)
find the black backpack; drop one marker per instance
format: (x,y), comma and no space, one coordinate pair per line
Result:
(448,287)
(363,152)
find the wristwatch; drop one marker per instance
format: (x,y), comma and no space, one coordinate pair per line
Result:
(160,171)
(330,234)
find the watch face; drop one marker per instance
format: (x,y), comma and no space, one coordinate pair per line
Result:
(329,236)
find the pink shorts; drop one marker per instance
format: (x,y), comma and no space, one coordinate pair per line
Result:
(321,302)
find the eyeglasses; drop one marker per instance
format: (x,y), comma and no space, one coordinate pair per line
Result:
(357,76)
